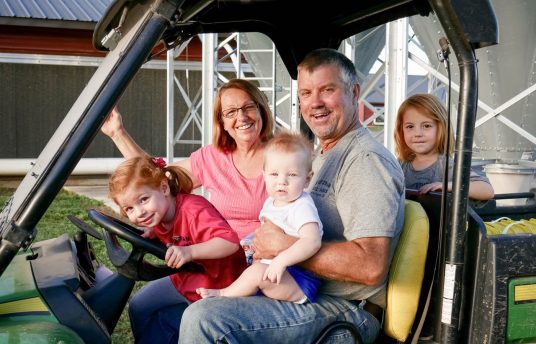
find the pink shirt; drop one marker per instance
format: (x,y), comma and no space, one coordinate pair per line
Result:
(197,221)
(238,199)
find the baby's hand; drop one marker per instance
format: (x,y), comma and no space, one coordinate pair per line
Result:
(148,233)
(274,271)
(177,256)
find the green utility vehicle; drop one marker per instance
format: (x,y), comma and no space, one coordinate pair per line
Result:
(472,287)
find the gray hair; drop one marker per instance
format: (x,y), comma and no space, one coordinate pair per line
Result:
(324,56)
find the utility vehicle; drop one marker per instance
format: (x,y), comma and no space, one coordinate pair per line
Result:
(477,288)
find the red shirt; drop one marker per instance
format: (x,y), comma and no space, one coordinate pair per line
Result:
(196,220)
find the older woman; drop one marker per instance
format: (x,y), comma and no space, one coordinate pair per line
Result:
(231,167)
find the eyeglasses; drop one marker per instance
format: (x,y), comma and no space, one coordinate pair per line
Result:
(248,109)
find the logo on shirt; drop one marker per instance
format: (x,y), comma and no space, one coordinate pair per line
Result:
(321,188)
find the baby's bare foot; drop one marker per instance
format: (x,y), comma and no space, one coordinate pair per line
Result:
(206,293)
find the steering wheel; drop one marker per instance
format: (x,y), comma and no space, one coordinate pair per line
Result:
(132,265)
(127,232)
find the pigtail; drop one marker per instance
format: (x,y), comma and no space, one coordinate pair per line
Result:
(150,171)
(179,180)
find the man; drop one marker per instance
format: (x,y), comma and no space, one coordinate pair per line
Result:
(358,188)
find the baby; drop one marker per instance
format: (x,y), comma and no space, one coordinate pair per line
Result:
(287,171)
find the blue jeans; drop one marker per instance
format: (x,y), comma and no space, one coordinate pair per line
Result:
(259,319)
(155,312)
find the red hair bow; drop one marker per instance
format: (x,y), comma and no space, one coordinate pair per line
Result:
(159,162)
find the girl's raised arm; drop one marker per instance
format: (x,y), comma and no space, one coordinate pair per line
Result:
(114,129)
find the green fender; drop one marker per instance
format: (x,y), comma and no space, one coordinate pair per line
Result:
(24,316)
(31,331)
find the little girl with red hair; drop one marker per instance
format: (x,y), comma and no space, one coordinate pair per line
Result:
(157,197)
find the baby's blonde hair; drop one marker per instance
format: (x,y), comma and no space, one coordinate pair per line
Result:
(147,171)
(288,142)
(430,106)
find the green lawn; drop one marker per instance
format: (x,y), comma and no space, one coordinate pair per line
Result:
(55,223)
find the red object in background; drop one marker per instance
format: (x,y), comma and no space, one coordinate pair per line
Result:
(365,112)
(56,41)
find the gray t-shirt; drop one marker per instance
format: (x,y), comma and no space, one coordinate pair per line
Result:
(358,189)
(433,173)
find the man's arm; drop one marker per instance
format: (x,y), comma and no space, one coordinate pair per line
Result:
(363,260)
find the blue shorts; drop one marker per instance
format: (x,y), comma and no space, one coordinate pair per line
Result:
(306,280)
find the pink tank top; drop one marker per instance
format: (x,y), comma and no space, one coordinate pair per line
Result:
(238,199)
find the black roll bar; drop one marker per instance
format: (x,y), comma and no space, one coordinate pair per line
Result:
(450,14)
(74,137)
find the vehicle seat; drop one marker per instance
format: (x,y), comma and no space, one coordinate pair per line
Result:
(405,278)
(406,273)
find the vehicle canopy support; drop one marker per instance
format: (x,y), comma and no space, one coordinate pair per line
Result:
(75,133)
(467,26)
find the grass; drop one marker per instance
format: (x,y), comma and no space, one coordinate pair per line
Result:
(54,223)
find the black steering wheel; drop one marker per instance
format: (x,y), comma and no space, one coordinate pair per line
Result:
(132,264)
(127,232)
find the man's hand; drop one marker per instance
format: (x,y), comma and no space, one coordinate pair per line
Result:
(269,240)
(177,256)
